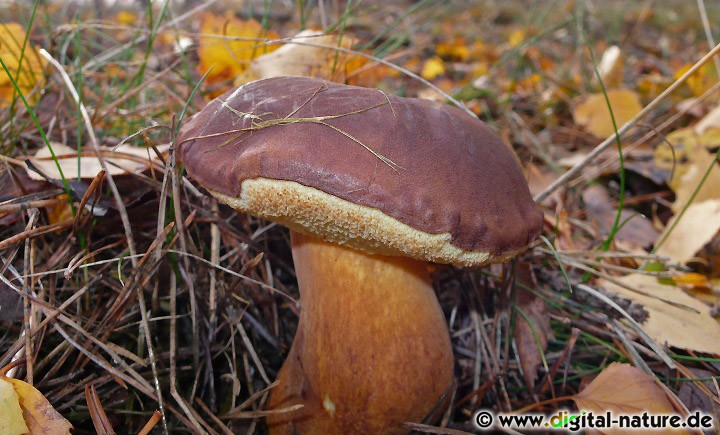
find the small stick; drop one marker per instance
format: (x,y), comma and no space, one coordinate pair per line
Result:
(38,231)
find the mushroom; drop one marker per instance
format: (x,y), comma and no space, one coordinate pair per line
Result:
(372,187)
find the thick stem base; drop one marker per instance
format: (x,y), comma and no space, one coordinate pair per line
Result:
(372,348)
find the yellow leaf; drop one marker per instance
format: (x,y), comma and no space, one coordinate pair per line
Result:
(702,80)
(126,17)
(623,389)
(432,68)
(12,421)
(39,414)
(674,317)
(594,115)
(516,37)
(650,85)
(686,154)
(455,50)
(530,82)
(687,181)
(691,279)
(29,73)
(228,44)
(60,212)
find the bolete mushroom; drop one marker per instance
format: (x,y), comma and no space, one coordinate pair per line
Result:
(372,187)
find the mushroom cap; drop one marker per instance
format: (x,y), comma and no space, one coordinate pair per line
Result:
(355,166)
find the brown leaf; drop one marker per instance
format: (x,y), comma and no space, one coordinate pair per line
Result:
(531,338)
(691,394)
(623,389)
(636,230)
(10,307)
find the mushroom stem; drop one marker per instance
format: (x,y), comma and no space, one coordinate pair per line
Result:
(371,350)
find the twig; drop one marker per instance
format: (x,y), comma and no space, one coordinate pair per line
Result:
(4,244)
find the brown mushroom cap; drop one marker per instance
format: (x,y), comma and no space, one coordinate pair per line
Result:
(358,167)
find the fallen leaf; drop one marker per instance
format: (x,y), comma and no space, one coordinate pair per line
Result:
(708,122)
(701,81)
(10,307)
(432,68)
(124,159)
(531,337)
(692,280)
(29,73)
(636,229)
(293,59)
(685,185)
(533,81)
(228,44)
(456,50)
(683,149)
(652,84)
(611,67)
(539,177)
(12,421)
(39,415)
(708,262)
(564,230)
(674,317)
(696,227)
(594,115)
(623,389)
(126,17)
(516,37)
(692,395)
